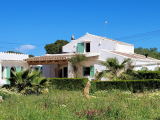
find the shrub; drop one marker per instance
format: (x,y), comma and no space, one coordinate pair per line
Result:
(148,75)
(69,83)
(132,85)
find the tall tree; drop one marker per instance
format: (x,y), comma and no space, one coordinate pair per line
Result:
(152,52)
(55,48)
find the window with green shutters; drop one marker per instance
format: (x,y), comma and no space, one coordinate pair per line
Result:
(91,70)
(18,69)
(80,48)
(88,71)
(8,74)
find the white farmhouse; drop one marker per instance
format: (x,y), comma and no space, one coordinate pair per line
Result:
(97,49)
(11,61)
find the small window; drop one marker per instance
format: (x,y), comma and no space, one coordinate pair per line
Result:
(86,71)
(87,47)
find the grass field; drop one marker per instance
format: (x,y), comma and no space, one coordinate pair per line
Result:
(72,105)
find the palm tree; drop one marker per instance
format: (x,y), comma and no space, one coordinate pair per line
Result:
(39,83)
(113,68)
(20,79)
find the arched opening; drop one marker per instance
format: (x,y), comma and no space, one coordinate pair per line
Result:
(14,70)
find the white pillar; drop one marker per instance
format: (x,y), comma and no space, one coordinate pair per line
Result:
(70,71)
(5,72)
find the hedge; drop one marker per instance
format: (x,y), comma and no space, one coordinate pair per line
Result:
(69,83)
(148,75)
(132,85)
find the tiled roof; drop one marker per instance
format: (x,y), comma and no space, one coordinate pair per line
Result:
(58,56)
(133,55)
(104,38)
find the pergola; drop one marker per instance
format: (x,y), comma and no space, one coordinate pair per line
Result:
(60,60)
(48,60)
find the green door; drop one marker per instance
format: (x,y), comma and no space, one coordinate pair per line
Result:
(8,75)
(18,69)
(80,48)
(91,70)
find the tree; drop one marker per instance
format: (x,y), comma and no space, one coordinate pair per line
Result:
(152,52)
(31,55)
(76,62)
(14,52)
(28,81)
(113,68)
(21,79)
(55,48)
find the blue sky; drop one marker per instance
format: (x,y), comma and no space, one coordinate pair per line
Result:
(31,24)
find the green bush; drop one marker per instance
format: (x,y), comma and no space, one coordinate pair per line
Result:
(132,85)
(69,83)
(148,75)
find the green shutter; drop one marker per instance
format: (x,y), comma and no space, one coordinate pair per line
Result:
(80,48)
(39,68)
(18,69)
(141,68)
(91,70)
(8,75)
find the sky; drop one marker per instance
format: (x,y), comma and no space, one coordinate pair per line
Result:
(28,25)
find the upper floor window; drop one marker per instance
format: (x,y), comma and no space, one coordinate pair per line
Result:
(87,47)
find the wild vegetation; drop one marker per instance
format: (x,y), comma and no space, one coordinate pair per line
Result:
(72,105)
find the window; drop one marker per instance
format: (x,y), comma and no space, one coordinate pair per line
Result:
(86,71)
(87,47)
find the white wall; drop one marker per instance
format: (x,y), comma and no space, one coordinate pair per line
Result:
(11,64)
(104,55)
(48,71)
(125,48)
(96,43)
(12,56)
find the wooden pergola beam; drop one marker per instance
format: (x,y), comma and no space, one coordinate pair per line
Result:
(47,62)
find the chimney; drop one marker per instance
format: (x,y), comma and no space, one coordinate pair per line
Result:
(72,38)
(146,55)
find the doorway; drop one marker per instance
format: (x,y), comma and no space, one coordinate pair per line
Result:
(13,69)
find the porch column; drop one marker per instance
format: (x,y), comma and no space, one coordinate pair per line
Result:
(5,73)
(70,71)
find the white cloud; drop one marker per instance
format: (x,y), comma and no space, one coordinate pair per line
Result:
(26,48)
